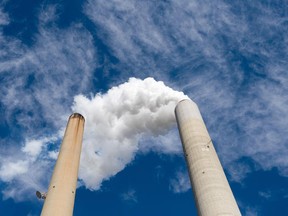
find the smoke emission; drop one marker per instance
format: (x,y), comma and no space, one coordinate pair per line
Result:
(135,116)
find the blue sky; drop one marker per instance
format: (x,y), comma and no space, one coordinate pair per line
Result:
(57,57)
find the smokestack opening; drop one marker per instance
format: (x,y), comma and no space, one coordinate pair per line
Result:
(77,115)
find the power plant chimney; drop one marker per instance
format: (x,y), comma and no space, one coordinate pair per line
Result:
(59,200)
(211,189)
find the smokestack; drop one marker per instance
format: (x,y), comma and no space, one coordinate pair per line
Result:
(211,189)
(61,193)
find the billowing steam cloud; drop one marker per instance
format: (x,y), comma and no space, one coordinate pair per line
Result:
(117,122)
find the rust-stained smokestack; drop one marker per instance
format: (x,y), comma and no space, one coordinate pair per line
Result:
(61,193)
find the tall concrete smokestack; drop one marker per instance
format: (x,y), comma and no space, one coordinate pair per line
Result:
(61,193)
(211,189)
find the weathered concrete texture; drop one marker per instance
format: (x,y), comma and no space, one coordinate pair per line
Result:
(211,189)
(62,188)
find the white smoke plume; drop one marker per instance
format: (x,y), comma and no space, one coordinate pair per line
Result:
(117,121)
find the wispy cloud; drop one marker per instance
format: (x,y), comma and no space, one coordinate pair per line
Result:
(13,169)
(28,169)
(38,83)
(251,211)
(180,183)
(4,17)
(161,36)
(129,196)
(265,194)
(273,194)
(48,74)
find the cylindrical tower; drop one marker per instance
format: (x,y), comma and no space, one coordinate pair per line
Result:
(211,189)
(61,192)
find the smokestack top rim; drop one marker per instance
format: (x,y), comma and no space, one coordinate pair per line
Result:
(77,115)
(183,100)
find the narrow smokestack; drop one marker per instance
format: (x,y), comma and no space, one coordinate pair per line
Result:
(211,189)
(61,193)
